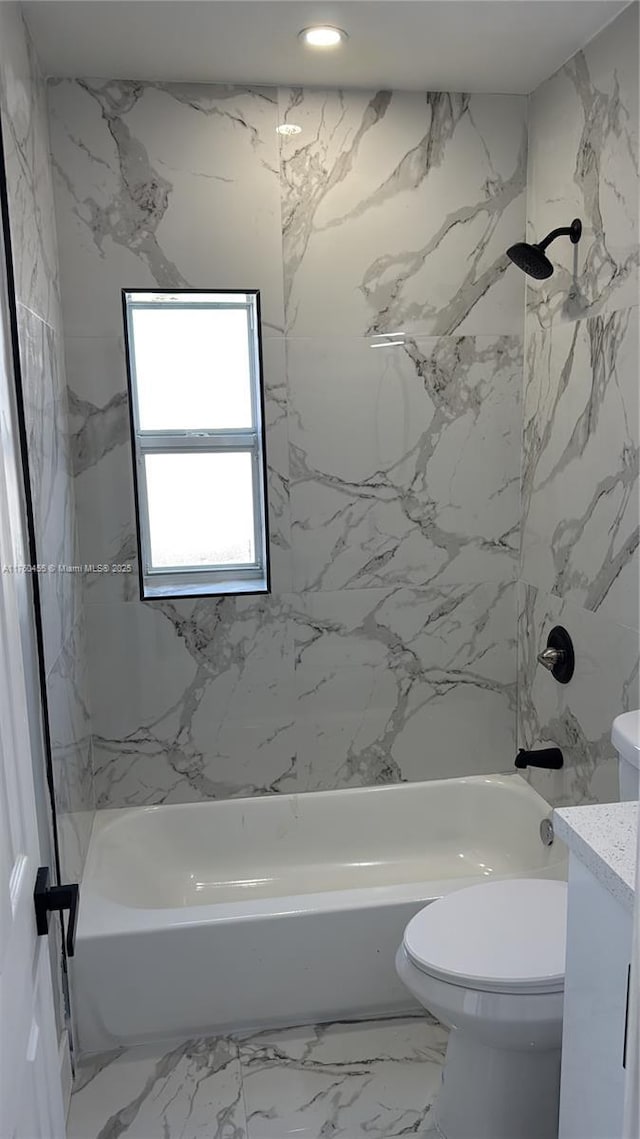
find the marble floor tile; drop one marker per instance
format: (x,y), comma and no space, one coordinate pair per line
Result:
(377,1078)
(190,1091)
(371,1078)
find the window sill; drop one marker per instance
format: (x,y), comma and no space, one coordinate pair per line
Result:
(153,590)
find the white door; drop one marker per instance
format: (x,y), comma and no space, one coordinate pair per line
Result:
(30,1091)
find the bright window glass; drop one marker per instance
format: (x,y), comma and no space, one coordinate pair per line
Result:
(200,509)
(192,368)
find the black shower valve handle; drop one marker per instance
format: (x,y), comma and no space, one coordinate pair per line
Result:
(558,656)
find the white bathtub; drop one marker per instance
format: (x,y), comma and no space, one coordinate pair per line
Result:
(281,910)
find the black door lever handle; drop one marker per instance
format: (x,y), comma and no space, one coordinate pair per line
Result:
(48,898)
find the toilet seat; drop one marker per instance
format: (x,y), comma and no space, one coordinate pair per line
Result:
(500,937)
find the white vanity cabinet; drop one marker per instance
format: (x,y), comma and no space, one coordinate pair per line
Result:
(602,847)
(599,935)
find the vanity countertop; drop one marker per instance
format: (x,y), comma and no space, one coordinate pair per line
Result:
(604,838)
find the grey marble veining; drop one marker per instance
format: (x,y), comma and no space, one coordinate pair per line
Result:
(144,173)
(378,1079)
(192,1090)
(372,1078)
(580,500)
(258,695)
(583,162)
(44,402)
(397,211)
(60,588)
(405,683)
(71,751)
(404,461)
(100,430)
(212,718)
(28,169)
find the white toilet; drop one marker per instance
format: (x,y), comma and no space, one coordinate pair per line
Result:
(488,961)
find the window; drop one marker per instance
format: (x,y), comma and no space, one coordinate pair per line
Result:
(195,392)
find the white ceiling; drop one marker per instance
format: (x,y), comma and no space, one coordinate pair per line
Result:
(450,45)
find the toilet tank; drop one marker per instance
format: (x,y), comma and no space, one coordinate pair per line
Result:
(625,737)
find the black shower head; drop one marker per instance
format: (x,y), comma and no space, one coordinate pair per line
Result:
(532,258)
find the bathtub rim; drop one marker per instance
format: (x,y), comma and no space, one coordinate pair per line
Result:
(106,816)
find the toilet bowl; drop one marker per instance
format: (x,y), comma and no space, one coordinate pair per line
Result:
(488,962)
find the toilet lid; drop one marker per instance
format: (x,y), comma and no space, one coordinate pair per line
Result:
(499,937)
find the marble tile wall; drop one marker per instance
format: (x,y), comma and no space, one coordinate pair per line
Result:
(33,236)
(387,648)
(581,422)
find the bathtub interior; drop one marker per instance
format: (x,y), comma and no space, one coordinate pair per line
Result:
(365,838)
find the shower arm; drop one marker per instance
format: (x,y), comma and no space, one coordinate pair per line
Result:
(565,230)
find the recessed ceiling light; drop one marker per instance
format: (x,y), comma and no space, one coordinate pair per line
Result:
(322,36)
(288,128)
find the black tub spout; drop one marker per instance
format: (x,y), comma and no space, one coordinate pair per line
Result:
(549,757)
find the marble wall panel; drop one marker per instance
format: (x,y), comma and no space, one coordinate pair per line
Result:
(51,477)
(581,508)
(583,162)
(213,699)
(70,730)
(406,683)
(168,185)
(28,169)
(191,700)
(581,430)
(397,210)
(391,470)
(60,585)
(405,461)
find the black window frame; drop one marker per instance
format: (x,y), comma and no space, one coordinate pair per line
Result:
(184,583)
